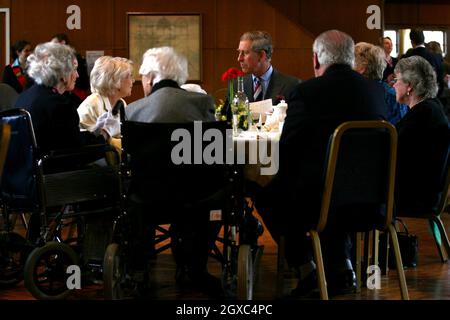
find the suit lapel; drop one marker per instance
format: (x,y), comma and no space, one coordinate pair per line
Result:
(248,87)
(272,90)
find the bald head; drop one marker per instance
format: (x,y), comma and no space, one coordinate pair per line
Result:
(333,47)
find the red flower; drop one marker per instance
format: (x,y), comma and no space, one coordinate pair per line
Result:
(232,73)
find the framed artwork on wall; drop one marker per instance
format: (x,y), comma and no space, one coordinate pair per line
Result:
(180,31)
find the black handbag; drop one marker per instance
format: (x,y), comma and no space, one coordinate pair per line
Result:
(409,248)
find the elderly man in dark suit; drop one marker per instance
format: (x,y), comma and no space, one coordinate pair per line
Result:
(316,108)
(163,71)
(261,81)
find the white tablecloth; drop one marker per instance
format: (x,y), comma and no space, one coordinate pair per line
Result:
(259,152)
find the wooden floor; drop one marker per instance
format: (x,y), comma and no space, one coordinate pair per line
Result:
(430,280)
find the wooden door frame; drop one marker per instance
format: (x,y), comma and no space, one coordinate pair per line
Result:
(7,34)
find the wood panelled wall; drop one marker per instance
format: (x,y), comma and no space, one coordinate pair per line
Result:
(418,13)
(292,23)
(2,40)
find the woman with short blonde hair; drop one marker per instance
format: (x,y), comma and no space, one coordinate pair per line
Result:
(370,62)
(108,73)
(111,81)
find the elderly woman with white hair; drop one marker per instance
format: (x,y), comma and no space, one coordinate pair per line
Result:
(163,71)
(111,81)
(423,138)
(53,67)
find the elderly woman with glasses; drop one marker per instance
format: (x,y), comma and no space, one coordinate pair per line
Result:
(423,137)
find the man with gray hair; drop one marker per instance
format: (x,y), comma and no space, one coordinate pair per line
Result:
(261,80)
(316,108)
(163,72)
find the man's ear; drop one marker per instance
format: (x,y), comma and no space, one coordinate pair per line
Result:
(263,55)
(316,62)
(150,78)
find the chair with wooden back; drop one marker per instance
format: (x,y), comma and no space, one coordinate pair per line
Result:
(358,192)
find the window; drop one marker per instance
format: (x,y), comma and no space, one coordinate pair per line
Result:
(393,35)
(438,36)
(401,42)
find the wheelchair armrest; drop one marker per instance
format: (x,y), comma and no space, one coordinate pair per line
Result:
(100,149)
(70,159)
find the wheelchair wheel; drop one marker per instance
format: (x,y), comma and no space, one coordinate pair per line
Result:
(45,271)
(245,273)
(257,255)
(229,272)
(12,257)
(113,273)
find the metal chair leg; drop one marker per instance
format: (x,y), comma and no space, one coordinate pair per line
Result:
(440,238)
(375,246)
(358,240)
(322,283)
(399,264)
(384,253)
(280,267)
(24,220)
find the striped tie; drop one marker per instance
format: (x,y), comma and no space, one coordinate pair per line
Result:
(258,95)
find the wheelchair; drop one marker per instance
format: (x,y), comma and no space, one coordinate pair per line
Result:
(149,164)
(70,209)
